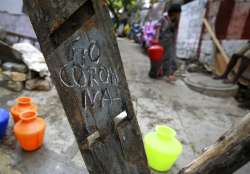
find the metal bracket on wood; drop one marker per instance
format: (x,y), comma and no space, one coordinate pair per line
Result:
(120,117)
(93,137)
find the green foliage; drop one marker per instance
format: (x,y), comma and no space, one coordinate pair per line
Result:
(117,4)
(121,6)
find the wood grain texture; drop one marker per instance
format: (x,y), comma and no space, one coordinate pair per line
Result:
(87,70)
(229,153)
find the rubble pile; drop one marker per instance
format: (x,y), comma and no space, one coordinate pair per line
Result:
(23,66)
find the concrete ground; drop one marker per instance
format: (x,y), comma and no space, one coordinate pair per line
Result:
(198,119)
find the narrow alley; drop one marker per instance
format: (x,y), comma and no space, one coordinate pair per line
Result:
(198,119)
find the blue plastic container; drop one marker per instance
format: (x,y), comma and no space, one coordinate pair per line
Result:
(4,119)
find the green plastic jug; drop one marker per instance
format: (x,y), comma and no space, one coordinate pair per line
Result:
(162,148)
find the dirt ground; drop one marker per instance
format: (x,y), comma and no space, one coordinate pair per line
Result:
(198,119)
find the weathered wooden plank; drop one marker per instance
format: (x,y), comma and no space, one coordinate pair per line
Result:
(215,40)
(84,61)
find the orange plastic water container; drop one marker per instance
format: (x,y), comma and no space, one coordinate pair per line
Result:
(23,104)
(30,131)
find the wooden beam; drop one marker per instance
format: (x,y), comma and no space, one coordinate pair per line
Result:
(229,153)
(215,40)
(81,51)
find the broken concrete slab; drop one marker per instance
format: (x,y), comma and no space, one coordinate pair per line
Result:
(14,86)
(33,58)
(17,67)
(38,84)
(14,76)
(207,85)
(5,76)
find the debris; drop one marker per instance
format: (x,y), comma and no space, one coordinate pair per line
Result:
(18,67)
(15,86)
(20,63)
(193,68)
(33,58)
(208,68)
(14,76)
(38,84)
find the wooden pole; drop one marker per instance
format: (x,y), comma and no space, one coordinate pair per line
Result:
(83,58)
(221,59)
(215,40)
(229,153)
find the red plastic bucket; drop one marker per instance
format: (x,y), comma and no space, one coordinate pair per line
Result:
(156,52)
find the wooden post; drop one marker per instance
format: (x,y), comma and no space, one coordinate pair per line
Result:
(228,154)
(81,51)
